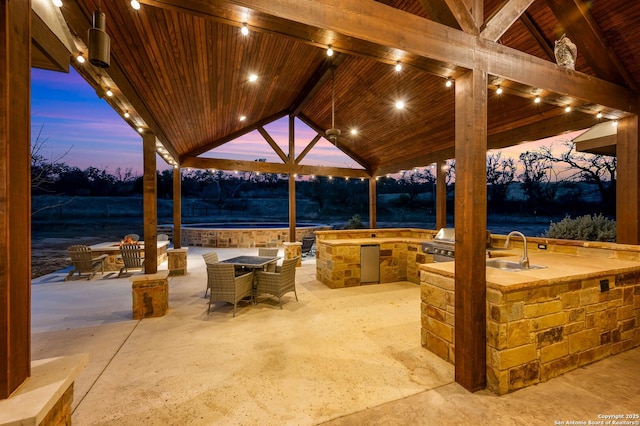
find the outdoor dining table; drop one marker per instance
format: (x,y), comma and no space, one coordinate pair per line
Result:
(253,263)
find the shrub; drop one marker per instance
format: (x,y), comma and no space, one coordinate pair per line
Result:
(354,223)
(586,228)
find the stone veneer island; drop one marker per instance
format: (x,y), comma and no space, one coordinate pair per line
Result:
(583,306)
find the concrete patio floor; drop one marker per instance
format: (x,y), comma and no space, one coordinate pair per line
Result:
(339,357)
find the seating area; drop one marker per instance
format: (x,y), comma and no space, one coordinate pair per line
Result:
(336,357)
(84,262)
(235,281)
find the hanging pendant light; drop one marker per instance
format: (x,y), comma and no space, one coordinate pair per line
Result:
(333,133)
(99,43)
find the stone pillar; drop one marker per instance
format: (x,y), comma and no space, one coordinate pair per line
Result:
(178,261)
(150,295)
(292,250)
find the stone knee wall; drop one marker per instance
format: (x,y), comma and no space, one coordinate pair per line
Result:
(539,333)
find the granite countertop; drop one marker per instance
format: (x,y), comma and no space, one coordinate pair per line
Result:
(558,268)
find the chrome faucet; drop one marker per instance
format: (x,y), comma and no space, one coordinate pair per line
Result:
(524,260)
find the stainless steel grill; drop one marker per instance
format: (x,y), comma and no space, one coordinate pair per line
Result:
(443,246)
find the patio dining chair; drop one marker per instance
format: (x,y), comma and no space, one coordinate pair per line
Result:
(84,262)
(225,286)
(269,252)
(132,258)
(278,283)
(209,258)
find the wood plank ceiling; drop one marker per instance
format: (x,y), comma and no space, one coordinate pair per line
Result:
(181,68)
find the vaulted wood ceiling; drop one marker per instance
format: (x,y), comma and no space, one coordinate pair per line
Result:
(181,68)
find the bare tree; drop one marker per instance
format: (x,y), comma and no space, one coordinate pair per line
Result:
(46,171)
(501,173)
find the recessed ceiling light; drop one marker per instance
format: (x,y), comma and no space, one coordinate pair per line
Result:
(79,58)
(57,3)
(614,123)
(330,177)
(245,29)
(599,115)
(398,66)
(329,51)
(242,118)
(537,99)
(109,92)
(140,130)
(126,114)
(253,77)
(449,82)
(135,4)
(567,108)
(399,105)
(499,90)
(354,131)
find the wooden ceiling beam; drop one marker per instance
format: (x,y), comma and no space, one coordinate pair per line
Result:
(216,143)
(583,30)
(308,148)
(504,18)
(537,34)
(269,167)
(284,157)
(438,11)
(320,76)
(463,15)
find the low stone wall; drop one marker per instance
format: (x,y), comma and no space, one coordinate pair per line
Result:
(242,238)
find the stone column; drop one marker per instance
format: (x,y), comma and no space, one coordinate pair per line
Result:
(292,250)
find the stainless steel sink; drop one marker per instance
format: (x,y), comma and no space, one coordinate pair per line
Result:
(509,265)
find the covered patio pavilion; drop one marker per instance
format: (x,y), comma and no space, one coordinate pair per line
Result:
(180,70)
(337,357)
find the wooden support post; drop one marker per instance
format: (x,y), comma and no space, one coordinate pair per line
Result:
(150,204)
(372,202)
(470,223)
(628,182)
(177,207)
(441,195)
(15,195)
(292,181)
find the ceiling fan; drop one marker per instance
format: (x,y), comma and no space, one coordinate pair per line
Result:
(333,133)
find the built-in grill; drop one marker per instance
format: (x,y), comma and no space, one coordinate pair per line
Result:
(443,246)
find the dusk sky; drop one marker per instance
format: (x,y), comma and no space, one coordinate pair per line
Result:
(75,119)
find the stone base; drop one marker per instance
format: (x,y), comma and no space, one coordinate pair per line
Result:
(46,397)
(177,261)
(292,250)
(150,295)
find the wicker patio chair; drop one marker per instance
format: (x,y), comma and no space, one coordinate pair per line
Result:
(225,286)
(131,255)
(269,252)
(84,262)
(209,258)
(279,283)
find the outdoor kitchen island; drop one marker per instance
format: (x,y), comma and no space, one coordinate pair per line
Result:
(338,255)
(582,306)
